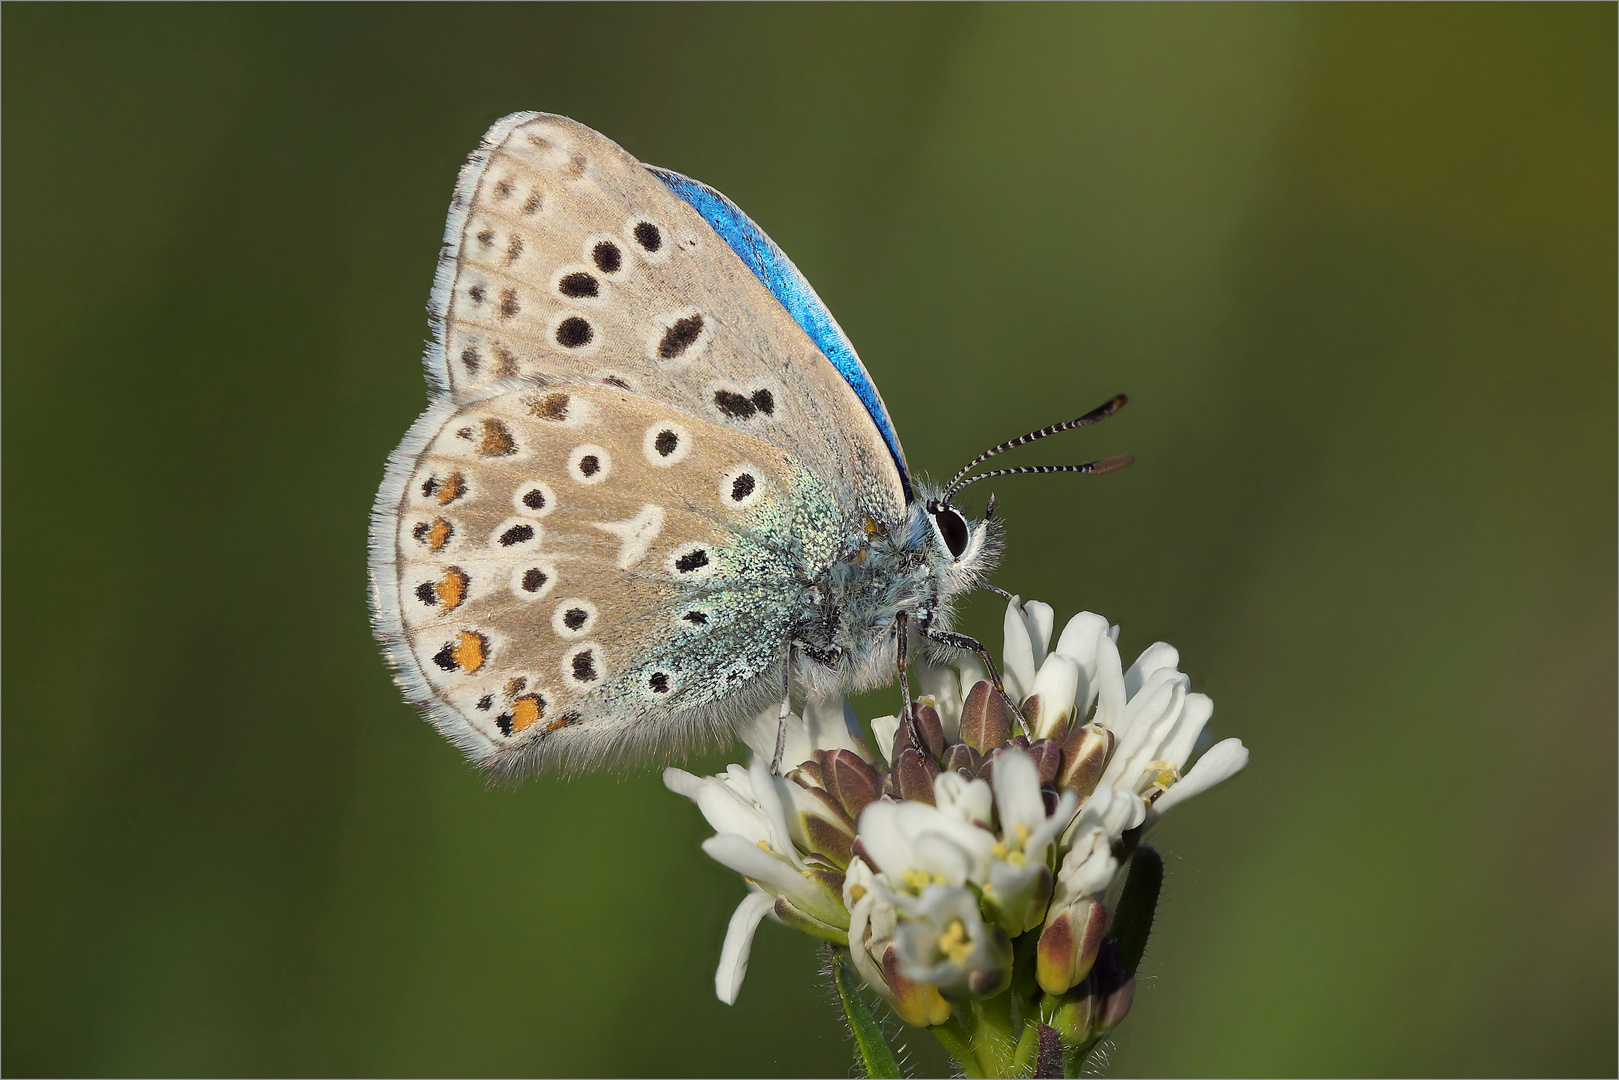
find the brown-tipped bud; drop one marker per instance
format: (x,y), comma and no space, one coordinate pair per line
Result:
(931,728)
(913,776)
(962,758)
(809,924)
(986,718)
(828,840)
(1084,756)
(853,783)
(1047,756)
(858,851)
(814,770)
(1049,711)
(917,1003)
(1069,945)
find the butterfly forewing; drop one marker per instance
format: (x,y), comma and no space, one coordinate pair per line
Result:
(566,257)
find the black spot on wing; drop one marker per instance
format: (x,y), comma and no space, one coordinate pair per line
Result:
(734,405)
(680,337)
(574,333)
(648,235)
(517,534)
(607,257)
(579,285)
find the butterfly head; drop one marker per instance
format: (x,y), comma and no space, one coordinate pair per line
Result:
(961,551)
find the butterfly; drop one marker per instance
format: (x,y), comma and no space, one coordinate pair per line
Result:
(655,489)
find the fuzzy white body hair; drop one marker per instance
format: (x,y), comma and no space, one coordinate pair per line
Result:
(853,611)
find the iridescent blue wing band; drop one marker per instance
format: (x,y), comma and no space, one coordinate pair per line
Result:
(778,274)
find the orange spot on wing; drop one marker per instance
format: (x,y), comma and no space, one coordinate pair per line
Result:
(469,651)
(438,534)
(527,711)
(497,441)
(562,721)
(453,487)
(452,588)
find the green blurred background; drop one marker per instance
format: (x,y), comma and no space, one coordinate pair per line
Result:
(1354,265)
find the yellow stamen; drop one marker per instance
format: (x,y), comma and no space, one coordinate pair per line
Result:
(954,942)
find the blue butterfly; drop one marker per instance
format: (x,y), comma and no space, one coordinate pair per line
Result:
(655,489)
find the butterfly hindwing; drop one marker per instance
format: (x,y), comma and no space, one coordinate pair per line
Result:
(576,572)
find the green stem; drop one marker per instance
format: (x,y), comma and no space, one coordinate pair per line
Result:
(875,1055)
(952,1035)
(994,1036)
(1027,1047)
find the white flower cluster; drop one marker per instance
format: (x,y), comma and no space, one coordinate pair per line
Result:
(987,818)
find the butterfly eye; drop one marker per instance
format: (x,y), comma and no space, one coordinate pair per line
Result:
(953,528)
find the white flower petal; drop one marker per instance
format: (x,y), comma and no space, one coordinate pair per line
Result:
(1110,696)
(768,796)
(726,811)
(733,966)
(1017,791)
(943,685)
(965,800)
(1056,686)
(1080,636)
(760,736)
(1053,826)
(1220,762)
(682,782)
(1195,713)
(972,671)
(1039,618)
(1087,869)
(830,724)
(752,861)
(883,729)
(1017,657)
(1157,657)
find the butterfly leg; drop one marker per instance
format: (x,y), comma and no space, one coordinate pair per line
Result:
(902,625)
(962,641)
(786,708)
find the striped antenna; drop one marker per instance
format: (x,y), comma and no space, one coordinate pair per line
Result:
(1096,415)
(1106,465)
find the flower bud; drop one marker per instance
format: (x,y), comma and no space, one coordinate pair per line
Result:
(1084,757)
(1050,707)
(919,1004)
(1047,758)
(792,916)
(853,783)
(1069,945)
(817,823)
(1073,1018)
(986,719)
(913,776)
(962,758)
